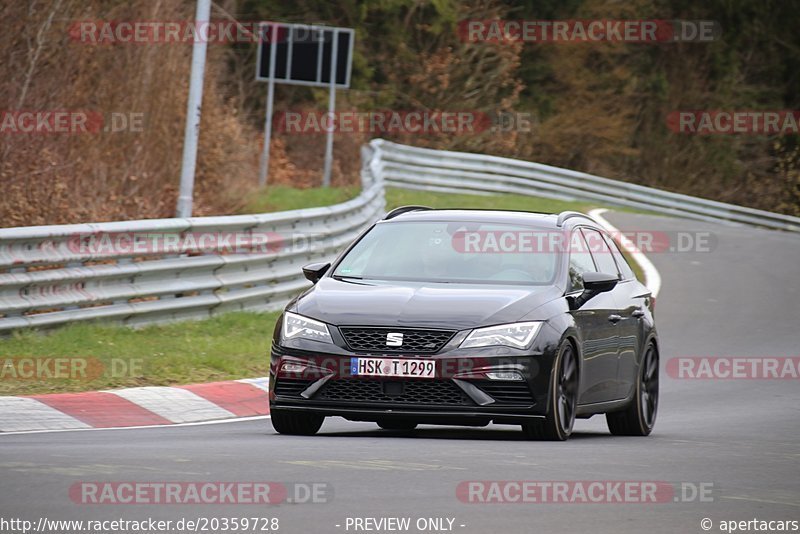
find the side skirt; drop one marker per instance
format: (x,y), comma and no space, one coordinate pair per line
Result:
(587,410)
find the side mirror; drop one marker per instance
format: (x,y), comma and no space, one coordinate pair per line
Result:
(599,282)
(593,285)
(315,271)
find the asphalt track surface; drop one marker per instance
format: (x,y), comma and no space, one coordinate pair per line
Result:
(740,299)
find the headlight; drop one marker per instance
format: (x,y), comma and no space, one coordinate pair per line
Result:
(302,327)
(516,335)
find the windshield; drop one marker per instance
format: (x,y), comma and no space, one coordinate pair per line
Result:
(443,251)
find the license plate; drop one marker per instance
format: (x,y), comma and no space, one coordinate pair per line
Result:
(392,367)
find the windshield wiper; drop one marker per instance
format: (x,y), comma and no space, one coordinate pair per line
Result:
(345,277)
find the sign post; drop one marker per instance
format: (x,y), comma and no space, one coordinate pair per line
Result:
(326,174)
(264,171)
(192,131)
(300,54)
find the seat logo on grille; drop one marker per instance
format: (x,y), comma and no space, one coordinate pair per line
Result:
(394,339)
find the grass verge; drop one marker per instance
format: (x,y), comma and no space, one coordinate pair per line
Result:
(283,198)
(234,345)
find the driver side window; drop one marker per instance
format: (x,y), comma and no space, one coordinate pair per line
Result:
(580,260)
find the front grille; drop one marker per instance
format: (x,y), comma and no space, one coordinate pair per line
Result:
(291,387)
(507,392)
(436,392)
(364,339)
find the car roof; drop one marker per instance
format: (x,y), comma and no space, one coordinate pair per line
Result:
(549,220)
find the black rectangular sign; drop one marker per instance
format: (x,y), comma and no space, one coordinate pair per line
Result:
(303,54)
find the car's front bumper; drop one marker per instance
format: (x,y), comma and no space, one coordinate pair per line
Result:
(459,394)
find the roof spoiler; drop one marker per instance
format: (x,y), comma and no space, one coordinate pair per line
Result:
(404,209)
(564,215)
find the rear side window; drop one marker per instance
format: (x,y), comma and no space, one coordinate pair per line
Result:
(622,263)
(600,252)
(580,261)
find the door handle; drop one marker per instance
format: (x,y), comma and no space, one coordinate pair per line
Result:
(637,313)
(614,318)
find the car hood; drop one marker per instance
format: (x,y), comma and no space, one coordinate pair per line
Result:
(420,304)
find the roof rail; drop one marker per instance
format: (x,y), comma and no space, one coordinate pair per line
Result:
(564,215)
(404,209)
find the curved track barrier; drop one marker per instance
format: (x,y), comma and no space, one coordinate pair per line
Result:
(460,172)
(149,271)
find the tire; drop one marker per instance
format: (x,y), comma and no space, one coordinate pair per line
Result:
(296,424)
(639,418)
(557,424)
(397,425)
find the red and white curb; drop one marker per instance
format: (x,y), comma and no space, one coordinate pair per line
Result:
(136,407)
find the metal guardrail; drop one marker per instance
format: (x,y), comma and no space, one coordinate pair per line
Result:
(53,275)
(460,172)
(148,271)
